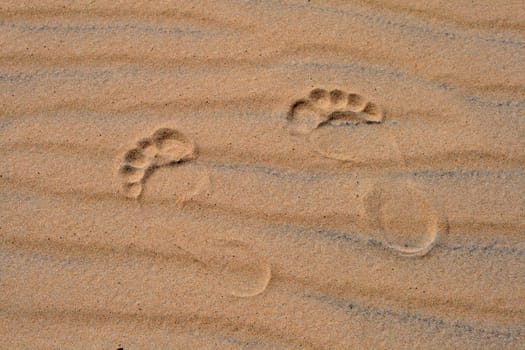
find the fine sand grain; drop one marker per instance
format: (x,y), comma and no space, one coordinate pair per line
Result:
(262,174)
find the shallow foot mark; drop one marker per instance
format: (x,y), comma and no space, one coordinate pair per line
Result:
(163,148)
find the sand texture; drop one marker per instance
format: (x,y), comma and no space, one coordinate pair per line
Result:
(262,174)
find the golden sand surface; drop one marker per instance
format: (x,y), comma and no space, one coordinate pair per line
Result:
(262,174)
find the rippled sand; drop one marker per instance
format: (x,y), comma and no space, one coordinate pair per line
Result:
(262,175)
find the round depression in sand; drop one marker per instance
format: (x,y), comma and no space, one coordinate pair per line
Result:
(237,269)
(404,217)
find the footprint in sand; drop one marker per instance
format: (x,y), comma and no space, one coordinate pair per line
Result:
(234,267)
(349,128)
(335,107)
(165,147)
(337,125)
(401,215)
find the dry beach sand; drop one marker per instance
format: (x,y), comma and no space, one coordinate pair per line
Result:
(262,174)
